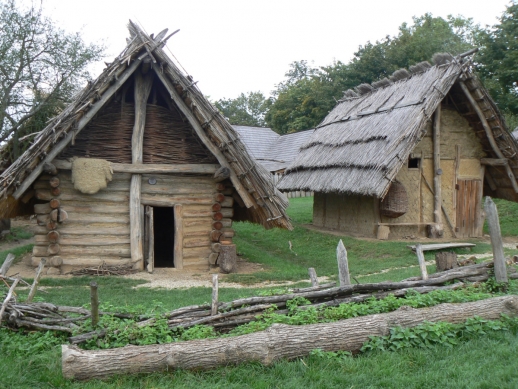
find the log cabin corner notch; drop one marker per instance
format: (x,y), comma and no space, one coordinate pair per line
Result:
(163,142)
(412,155)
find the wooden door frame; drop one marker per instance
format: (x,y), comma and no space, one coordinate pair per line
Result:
(178,234)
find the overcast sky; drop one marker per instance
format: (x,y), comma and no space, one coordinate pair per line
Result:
(234,46)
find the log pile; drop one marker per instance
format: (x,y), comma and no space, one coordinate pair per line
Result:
(228,315)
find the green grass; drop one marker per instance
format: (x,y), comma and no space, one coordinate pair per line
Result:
(19,252)
(17,233)
(508,215)
(481,363)
(271,248)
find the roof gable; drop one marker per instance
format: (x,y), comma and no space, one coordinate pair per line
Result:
(251,181)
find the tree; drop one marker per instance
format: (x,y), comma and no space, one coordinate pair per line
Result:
(41,66)
(245,110)
(497,59)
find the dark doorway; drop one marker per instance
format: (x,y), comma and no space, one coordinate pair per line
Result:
(163,225)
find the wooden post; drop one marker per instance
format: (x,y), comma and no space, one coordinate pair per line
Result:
(94,301)
(313,276)
(343,264)
(34,286)
(422,262)
(178,236)
(227,258)
(214,309)
(496,240)
(445,261)
(143,86)
(7,264)
(437,172)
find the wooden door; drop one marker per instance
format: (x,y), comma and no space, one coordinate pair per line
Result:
(468,216)
(149,247)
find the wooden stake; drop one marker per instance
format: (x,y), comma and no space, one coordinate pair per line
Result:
(313,276)
(422,262)
(94,301)
(343,264)
(496,240)
(7,264)
(9,296)
(214,308)
(34,286)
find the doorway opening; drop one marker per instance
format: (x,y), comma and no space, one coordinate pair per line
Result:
(163,245)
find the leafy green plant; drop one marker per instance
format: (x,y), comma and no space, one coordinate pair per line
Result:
(440,333)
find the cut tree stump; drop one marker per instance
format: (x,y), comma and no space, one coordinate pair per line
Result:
(445,261)
(280,341)
(227,259)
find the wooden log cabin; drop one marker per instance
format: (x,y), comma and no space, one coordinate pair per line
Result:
(409,156)
(140,169)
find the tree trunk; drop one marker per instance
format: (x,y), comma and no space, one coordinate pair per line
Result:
(278,341)
(227,258)
(445,261)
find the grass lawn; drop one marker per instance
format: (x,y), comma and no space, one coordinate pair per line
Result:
(318,250)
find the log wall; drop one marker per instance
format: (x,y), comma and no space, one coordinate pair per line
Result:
(97,226)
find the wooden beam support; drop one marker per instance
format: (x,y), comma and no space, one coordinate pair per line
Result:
(151,168)
(54,152)
(178,236)
(247,198)
(437,172)
(494,161)
(489,134)
(143,86)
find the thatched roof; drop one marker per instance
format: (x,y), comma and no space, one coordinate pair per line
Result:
(364,141)
(265,204)
(275,152)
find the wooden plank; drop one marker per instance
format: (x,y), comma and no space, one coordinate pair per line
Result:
(93,240)
(42,194)
(151,239)
(152,168)
(97,207)
(496,240)
(441,246)
(87,261)
(55,150)
(169,201)
(178,236)
(343,264)
(116,250)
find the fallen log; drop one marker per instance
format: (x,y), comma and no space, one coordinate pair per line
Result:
(278,342)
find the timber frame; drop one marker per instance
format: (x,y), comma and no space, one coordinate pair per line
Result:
(142,65)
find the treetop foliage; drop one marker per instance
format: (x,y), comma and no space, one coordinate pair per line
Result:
(307,94)
(41,67)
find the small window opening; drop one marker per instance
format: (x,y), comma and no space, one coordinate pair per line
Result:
(414,163)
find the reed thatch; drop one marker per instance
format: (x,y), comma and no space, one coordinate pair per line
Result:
(363,142)
(252,181)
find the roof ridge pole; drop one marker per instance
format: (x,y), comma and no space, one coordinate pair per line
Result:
(437,230)
(143,84)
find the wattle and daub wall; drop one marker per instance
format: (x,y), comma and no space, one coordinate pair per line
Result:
(84,230)
(360,215)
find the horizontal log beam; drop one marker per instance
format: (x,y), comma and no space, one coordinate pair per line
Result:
(494,161)
(151,168)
